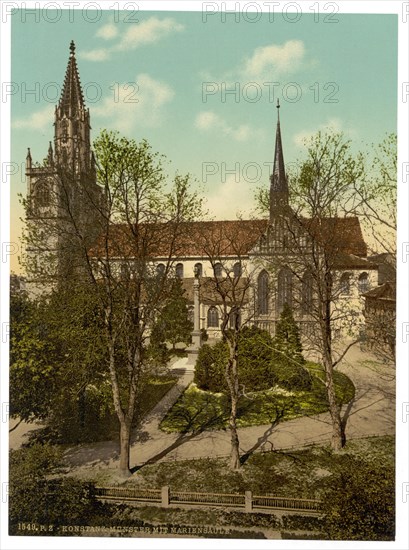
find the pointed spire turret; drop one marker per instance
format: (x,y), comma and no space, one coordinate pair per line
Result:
(50,156)
(29,160)
(278,179)
(72,99)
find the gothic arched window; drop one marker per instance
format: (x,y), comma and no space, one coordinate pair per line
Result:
(160,270)
(363,283)
(345,283)
(218,270)
(179,271)
(234,317)
(42,195)
(199,269)
(284,288)
(212,317)
(262,293)
(307,290)
(237,270)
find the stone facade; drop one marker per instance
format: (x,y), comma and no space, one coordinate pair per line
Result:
(60,187)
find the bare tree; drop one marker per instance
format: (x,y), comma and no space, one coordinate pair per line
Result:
(227,247)
(137,219)
(376,195)
(310,246)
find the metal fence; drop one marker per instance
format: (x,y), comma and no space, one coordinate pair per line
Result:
(124,493)
(213,499)
(246,502)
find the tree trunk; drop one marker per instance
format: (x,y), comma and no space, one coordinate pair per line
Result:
(234,452)
(338,430)
(125,437)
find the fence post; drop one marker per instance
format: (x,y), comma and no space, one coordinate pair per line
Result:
(165,496)
(248,501)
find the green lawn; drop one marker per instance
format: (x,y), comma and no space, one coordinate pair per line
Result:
(302,473)
(198,410)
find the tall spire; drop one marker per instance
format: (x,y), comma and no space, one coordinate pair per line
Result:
(72,144)
(278,179)
(72,100)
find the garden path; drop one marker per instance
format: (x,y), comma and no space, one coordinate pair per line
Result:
(372,412)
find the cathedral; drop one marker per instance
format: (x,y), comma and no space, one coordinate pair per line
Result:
(265,261)
(56,186)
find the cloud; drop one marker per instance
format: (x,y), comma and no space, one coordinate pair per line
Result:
(227,201)
(100,54)
(266,64)
(39,120)
(275,59)
(107,32)
(332,124)
(209,120)
(149,31)
(135,103)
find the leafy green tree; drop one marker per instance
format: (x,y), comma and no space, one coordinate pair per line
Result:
(34,365)
(209,368)
(58,367)
(287,341)
(287,358)
(83,401)
(174,323)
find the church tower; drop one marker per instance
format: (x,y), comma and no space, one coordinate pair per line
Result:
(278,179)
(59,190)
(72,126)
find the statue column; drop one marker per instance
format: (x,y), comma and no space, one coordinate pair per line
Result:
(193,349)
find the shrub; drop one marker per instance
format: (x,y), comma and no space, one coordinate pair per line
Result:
(255,354)
(254,362)
(210,365)
(292,377)
(360,503)
(35,498)
(288,360)
(287,341)
(302,523)
(263,362)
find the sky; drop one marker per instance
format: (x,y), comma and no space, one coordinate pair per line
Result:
(203,90)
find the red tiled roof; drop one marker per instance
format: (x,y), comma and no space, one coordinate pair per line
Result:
(351,261)
(343,234)
(221,238)
(385,292)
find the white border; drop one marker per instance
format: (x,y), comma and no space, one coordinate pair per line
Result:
(402,540)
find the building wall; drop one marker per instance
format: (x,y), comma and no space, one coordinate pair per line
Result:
(351,302)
